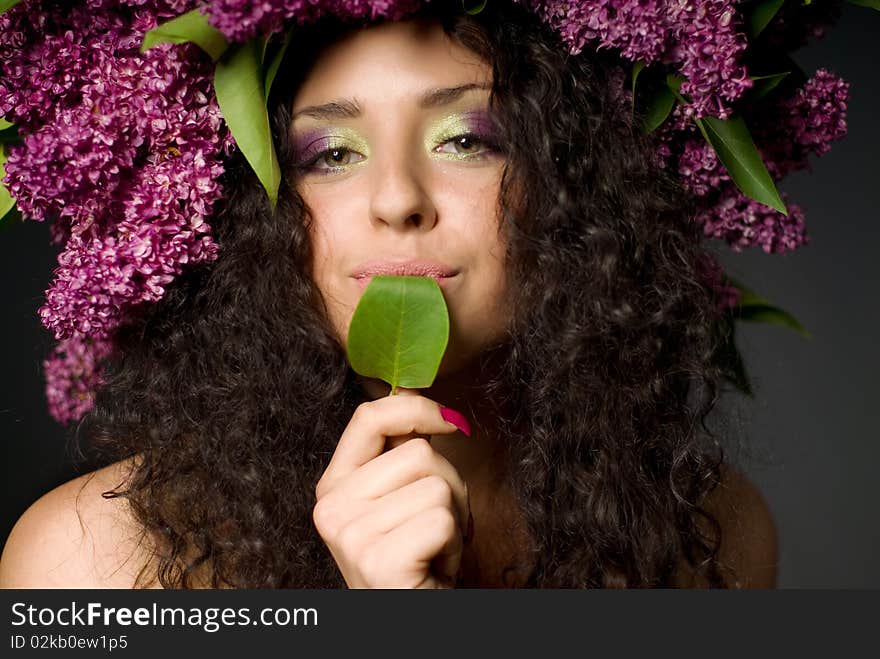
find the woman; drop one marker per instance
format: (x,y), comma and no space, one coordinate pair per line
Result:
(246,452)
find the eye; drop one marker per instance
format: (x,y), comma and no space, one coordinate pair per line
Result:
(467,144)
(331,159)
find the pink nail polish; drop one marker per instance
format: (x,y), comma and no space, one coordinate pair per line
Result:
(457,419)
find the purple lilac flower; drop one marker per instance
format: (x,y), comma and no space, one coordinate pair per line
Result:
(638,28)
(699,168)
(73,372)
(785,132)
(241,19)
(99,276)
(122,151)
(817,113)
(743,222)
(808,122)
(726,213)
(701,40)
(711,272)
(708,47)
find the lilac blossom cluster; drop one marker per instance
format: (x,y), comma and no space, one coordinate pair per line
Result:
(241,19)
(806,123)
(787,132)
(123,150)
(73,372)
(702,40)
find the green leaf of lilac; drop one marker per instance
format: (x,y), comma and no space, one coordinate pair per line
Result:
(399,331)
(659,108)
(735,149)
(870,4)
(7,203)
(7,4)
(5,124)
(11,218)
(760,16)
(473,8)
(728,357)
(272,69)
(737,152)
(763,85)
(239,85)
(674,83)
(638,67)
(755,308)
(191,27)
(9,134)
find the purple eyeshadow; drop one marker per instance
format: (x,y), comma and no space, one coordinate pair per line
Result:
(310,144)
(482,123)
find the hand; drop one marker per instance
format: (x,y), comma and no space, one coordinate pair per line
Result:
(393,519)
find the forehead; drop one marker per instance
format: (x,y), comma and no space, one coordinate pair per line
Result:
(398,58)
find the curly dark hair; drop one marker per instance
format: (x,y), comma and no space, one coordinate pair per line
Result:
(233,390)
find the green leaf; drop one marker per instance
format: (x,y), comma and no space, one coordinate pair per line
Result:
(272,70)
(755,308)
(5,124)
(7,4)
(737,152)
(774,316)
(636,70)
(658,109)
(760,16)
(7,203)
(473,8)
(735,149)
(9,135)
(239,85)
(12,217)
(763,85)
(870,4)
(728,357)
(191,27)
(674,84)
(399,331)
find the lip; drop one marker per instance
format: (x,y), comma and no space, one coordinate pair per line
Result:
(415,267)
(364,281)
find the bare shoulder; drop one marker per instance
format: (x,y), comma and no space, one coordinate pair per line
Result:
(72,537)
(749,552)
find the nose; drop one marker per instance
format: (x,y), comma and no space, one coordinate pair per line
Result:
(400,196)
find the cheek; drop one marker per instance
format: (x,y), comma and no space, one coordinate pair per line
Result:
(328,231)
(328,248)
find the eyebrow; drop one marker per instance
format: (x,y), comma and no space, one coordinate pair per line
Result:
(346,108)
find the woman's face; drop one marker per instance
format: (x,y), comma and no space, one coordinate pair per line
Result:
(396,161)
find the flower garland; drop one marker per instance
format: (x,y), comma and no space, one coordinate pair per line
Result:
(116,131)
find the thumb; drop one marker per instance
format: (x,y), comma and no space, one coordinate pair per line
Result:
(396,440)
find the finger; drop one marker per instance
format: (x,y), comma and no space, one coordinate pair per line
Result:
(373,421)
(428,539)
(400,467)
(394,441)
(397,507)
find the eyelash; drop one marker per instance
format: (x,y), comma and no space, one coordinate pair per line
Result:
(308,165)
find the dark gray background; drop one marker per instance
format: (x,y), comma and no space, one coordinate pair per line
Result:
(810,433)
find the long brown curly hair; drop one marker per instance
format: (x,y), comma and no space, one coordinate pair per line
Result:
(232,391)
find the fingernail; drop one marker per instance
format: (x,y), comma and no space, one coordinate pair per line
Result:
(457,419)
